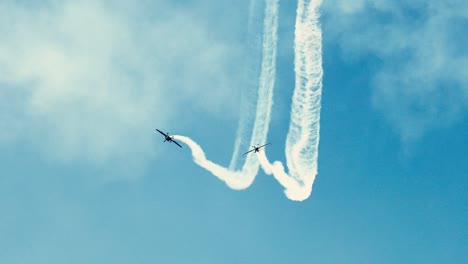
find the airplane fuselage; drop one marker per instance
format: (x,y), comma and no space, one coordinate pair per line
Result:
(256,149)
(168,138)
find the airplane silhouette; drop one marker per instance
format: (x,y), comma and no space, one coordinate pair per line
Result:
(256,148)
(168,138)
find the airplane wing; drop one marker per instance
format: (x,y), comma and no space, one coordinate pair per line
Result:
(176,143)
(162,133)
(249,151)
(264,145)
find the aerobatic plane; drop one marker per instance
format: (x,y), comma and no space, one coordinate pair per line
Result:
(256,148)
(168,138)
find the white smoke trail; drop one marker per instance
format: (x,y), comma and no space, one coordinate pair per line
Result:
(278,172)
(244,178)
(234,179)
(249,86)
(303,136)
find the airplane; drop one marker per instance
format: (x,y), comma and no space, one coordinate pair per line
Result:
(168,138)
(256,148)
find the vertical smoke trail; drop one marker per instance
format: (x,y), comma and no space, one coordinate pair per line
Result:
(244,178)
(268,74)
(249,90)
(303,136)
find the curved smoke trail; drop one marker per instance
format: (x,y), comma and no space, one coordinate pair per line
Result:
(303,136)
(244,178)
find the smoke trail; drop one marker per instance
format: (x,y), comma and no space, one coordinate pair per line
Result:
(278,172)
(303,136)
(234,179)
(244,178)
(250,80)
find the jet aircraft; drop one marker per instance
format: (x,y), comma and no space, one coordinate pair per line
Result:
(256,148)
(168,138)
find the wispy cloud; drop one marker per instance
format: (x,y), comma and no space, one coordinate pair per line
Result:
(422,82)
(83,80)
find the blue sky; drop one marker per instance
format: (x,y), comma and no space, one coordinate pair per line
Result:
(85,179)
